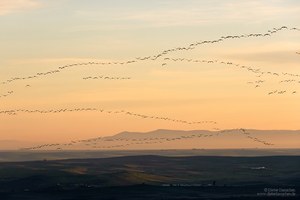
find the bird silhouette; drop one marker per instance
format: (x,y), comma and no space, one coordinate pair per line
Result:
(143,116)
(94,142)
(6,94)
(154,57)
(106,78)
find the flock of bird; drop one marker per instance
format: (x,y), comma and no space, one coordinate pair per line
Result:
(6,94)
(248,68)
(41,74)
(248,135)
(16,111)
(289,81)
(106,78)
(94,142)
(256,71)
(277,92)
(221,39)
(154,57)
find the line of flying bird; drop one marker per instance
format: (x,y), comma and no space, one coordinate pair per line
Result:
(106,78)
(94,142)
(6,94)
(53,111)
(221,39)
(155,57)
(256,71)
(40,74)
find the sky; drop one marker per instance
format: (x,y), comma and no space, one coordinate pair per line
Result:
(42,35)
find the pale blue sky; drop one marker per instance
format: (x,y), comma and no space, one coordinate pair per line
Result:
(106,29)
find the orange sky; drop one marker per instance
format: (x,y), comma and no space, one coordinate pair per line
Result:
(192,91)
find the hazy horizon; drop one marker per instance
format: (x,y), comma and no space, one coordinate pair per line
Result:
(170,139)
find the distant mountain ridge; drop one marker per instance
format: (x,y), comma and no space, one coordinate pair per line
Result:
(159,132)
(174,132)
(177,139)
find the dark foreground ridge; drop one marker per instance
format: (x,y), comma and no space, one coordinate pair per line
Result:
(153,177)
